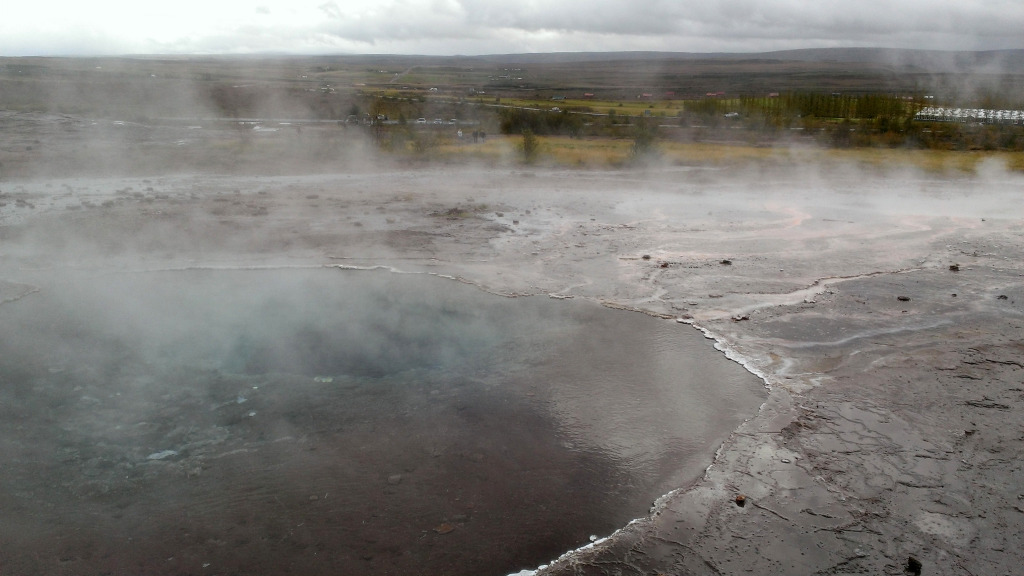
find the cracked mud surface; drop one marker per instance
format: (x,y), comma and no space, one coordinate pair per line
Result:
(892,429)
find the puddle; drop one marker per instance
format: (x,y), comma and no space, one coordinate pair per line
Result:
(326,421)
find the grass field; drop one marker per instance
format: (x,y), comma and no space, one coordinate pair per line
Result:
(618,107)
(610,153)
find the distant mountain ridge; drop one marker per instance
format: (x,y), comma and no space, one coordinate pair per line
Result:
(1003,61)
(979,79)
(930,60)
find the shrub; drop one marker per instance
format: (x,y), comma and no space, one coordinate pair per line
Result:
(529,146)
(644,134)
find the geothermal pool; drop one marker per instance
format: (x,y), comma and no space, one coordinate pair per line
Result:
(327,421)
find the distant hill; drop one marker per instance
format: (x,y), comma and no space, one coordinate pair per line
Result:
(1011,61)
(331,85)
(956,75)
(926,60)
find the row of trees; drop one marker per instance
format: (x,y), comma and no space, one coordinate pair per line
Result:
(839,120)
(829,120)
(784,111)
(517,120)
(824,105)
(789,109)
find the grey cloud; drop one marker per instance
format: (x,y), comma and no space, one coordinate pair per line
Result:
(480,26)
(484,26)
(331,9)
(400,21)
(612,16)
(851,22)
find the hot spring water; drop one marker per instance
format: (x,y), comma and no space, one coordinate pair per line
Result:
(325,422)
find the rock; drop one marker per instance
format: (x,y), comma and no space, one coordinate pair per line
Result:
(913,566)
(741,500)
(1002,297)
(954,267)
(162,454)
(646,256)
(726,262)
(903,298)
(395,479)
(444,528)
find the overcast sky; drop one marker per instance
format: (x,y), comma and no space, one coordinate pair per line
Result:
(101,27)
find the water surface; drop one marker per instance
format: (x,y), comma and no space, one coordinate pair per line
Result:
(328,422)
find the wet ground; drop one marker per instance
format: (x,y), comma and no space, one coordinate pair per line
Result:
(885,311)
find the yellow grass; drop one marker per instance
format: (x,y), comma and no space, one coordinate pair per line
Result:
(935,161)
(621,108)
(598,153)
(492,150)
(697,153)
